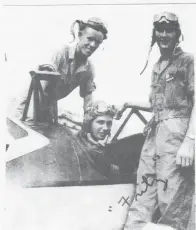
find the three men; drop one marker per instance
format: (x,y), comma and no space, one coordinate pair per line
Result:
(165,177)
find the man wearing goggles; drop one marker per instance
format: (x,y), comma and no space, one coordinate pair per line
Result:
(165,177)
(91,140)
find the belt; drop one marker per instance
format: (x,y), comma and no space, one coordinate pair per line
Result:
(164,115)
(168,114)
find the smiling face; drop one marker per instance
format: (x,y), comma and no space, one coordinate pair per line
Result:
(101,127)
(89,41)
(165,36)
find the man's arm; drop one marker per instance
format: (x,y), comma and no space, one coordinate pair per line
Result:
(191,129)
(145,106)
(87,86)
(87,101)
(139,105)
(185,154)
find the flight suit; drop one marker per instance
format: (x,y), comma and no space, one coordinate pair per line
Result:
(160,181)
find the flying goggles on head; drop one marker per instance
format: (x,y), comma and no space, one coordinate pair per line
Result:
(100,108)
(97,24)
(165,22)
(93,22)
(165,17)
(96,109)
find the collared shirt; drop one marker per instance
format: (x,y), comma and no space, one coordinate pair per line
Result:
(72,77)
(63,62)
(173,83)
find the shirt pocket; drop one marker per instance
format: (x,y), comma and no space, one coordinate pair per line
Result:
(175,92)
(156,97)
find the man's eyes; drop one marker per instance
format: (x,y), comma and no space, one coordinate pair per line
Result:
(109,123)
(92,39)
(167,30)
(101,122)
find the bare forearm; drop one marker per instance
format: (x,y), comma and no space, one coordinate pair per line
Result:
(139,105)
(87,101)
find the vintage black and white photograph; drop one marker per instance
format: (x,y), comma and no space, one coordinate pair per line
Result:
(99,115)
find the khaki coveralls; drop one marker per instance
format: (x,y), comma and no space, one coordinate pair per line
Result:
(160,182)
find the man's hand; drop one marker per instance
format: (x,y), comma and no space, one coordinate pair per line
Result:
(137,105)
(46,67)
(88,99)
(185,154)
(120,111)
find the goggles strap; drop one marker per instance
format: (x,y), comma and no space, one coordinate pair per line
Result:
(72,29)
(148,56)
(146,61)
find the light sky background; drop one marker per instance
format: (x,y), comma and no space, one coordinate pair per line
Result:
(32,35)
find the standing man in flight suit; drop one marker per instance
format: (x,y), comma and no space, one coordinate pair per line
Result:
(165,177)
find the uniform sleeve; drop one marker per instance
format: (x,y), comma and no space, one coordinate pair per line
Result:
(152,82)
(190,75)
(57,59)
(87,85)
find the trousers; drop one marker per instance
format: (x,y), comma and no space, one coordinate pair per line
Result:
(160,182)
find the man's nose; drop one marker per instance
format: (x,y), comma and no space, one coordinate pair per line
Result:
(164,33)
(105,127)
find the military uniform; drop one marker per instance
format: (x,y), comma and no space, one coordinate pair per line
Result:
(72,76)
(95,165)
(160,181)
